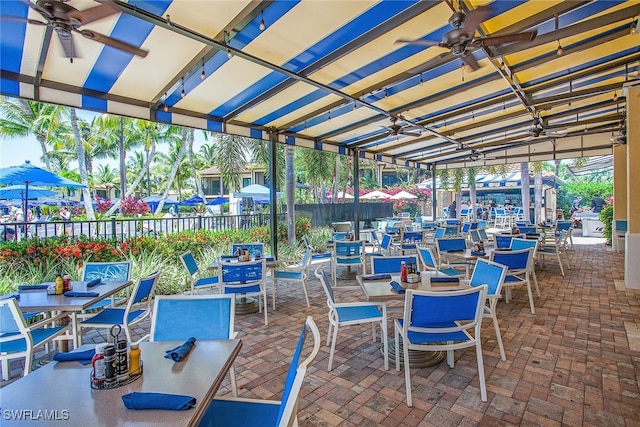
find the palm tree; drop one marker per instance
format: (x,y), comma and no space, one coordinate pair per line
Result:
(318,170)
(187,139)
(86,195)
(106,176)
(290,191)
(230,158)
(22,118)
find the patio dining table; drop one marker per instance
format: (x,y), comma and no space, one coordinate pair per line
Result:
(381,290)
(61,392)
(38,300)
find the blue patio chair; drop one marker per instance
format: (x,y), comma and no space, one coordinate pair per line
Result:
(296,273)
(518,271)
(441,321)
(118,271)
(492,275)
(428,225)
(450,231)
(557,248)
(340,235)
(353,313)
(440,233)
(245,279)
(502,218)
(197,280)
(409,240)
(229,412)
(347,254)
(466,227)
(527,230)
(430,263)
(456,244)
(503,241)
(565,225)
(17,339)
(138,308)
(390,264)
(519,244)
(255,249)
(204,317)
(619,232)
(452,222)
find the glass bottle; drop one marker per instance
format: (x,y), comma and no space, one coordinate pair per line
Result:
(134,359)
(403,272)
(59,285)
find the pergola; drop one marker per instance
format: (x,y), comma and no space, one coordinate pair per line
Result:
(331,75)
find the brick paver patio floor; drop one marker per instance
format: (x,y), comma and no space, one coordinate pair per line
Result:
(575,362)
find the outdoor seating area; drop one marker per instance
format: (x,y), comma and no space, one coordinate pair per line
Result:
(558,367)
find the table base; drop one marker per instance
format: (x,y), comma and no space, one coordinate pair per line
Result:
(246,305)
(417,359)
(347,274)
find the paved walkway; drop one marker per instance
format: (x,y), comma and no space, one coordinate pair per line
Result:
(576,362)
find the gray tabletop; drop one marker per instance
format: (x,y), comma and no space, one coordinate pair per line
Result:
(380,290)
(64,391)
(39,300)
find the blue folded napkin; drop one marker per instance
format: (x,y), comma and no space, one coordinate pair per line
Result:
(81,294)
(11,295)
(31,287)
(84,357)
(474,253)
(445,280)
(397,287)
(180,352)
(172,402)
(381,276)
(455,250)
(94,282)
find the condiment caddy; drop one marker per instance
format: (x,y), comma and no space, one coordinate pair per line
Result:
(112,366)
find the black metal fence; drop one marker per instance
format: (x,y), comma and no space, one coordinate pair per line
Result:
(125,228)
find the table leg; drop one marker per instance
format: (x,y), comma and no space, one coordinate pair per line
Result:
(246,305)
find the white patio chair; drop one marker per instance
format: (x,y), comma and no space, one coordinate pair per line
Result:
(245,279)
(296,273)
(441,321)
(19,340)
(195,277)
(355,313)
(232,412)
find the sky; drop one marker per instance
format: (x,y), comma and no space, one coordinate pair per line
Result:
(14,151)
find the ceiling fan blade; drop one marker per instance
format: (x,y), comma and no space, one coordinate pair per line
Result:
(109,41)
(37,8)
(21,20)
(105,9)
(508,38)
(68,46)
(474,19)
(470,61)
(433,62)
(420,42)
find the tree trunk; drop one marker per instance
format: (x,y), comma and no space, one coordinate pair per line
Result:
(336,180)
(123,158)
(537,189)
(135,183)
(86,194)
(290,188)
(346,180)
(196,176)
(187,138)
(525,186)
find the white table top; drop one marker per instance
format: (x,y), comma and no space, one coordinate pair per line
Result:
(39,300)
(380,290)
(63,388)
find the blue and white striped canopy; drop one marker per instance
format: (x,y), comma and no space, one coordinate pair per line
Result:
(330,74)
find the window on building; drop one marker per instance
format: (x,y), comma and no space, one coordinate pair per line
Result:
(246,182)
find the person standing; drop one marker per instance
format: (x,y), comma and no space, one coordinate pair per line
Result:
(452,209)
(65,214)
(597,203)
(575,205)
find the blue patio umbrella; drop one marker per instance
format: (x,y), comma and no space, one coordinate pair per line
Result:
(218,201)
(195,200)
(154,200)
(56,201)
(19,192)
(30,175)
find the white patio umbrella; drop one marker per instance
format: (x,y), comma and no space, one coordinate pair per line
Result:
(403,195)
(343,195)
(376,194)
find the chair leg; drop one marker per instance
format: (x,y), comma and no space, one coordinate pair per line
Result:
(535,281)
(396,335)
(264,303)
(560,262)
(28,360)
(306,295)
(5,369)
(533,309)
(407,373)
(385,345)
(494,319)
(333,346)
(450,360)
(483,386)
(274,291)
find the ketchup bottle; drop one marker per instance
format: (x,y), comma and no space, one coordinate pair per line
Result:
(403,272)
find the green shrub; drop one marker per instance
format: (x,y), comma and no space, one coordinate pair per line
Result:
(606,217)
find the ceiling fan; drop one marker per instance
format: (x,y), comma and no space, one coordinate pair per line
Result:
(461,41)
(537,129)
(395,129)
(64,19)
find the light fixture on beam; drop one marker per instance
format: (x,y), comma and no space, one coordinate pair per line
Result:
(262,26)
